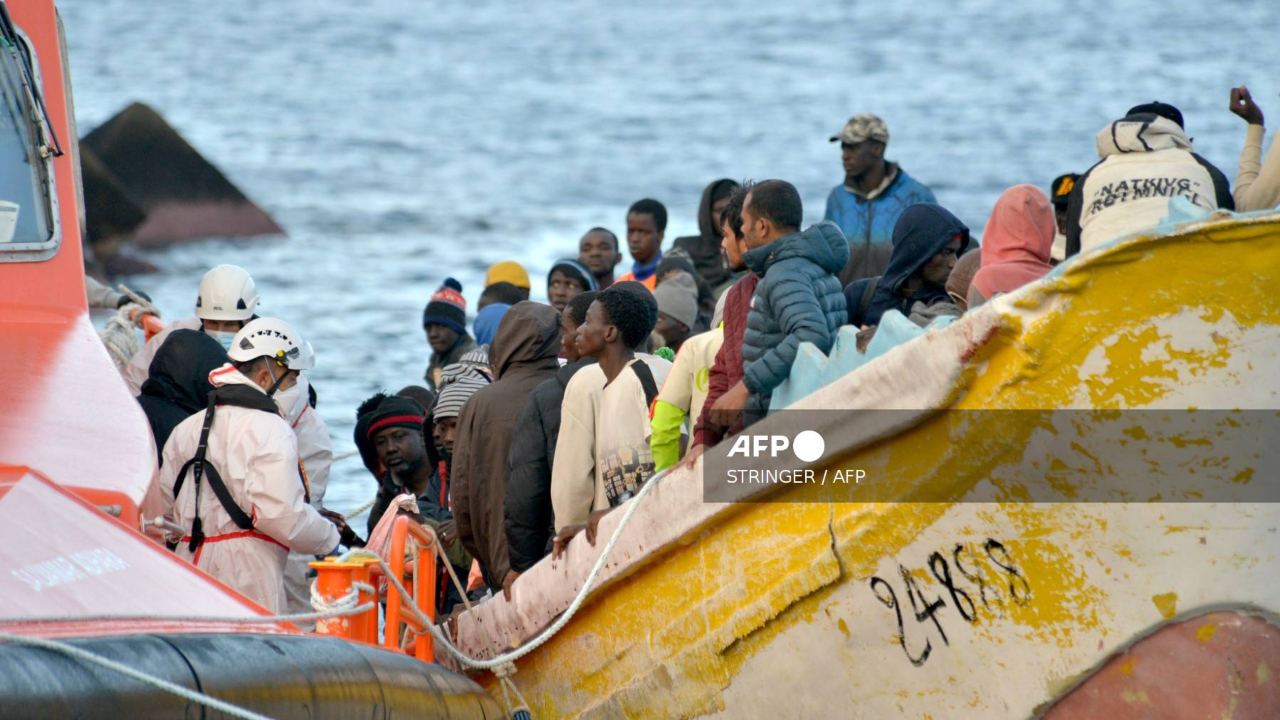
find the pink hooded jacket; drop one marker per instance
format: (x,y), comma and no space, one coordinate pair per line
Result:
(1016,243)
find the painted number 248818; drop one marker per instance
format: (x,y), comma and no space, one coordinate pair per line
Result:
(964,582)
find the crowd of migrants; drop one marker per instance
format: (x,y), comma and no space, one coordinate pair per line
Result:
(543,417)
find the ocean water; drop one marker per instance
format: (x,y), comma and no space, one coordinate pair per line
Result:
(401,141)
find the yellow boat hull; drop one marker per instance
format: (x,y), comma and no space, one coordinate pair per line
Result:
(813,607)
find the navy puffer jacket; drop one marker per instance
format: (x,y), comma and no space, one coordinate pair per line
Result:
(799,299)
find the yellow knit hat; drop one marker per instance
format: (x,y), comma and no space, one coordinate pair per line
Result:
(507,271)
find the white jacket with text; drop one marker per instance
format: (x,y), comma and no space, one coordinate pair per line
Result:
(1146,161)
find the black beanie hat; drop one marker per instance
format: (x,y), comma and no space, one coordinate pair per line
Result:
(447,307)
(396,411)
(1155,107)
(379,413)
(575,270)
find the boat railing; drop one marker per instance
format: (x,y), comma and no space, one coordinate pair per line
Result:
(409,540)
(402,629)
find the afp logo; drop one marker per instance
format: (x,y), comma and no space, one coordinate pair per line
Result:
(807,446)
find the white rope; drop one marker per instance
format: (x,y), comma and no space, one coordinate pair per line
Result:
(341,606)
(182,692)
(120,334)
(504,674)
(498,662)
(144,305)
(120,337)
(345,454)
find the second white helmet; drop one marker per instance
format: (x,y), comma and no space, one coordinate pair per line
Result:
(273,338)
(226,292)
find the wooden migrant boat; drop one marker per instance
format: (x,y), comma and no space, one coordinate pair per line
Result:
(1090,527)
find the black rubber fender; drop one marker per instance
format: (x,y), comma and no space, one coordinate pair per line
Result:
(280,676)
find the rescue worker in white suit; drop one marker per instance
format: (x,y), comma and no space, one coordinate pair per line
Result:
(226,300)
(315,449)
(243,500)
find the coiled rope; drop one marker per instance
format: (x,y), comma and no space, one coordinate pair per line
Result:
(120,336)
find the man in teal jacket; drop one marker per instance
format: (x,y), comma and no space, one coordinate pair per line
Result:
(873,196)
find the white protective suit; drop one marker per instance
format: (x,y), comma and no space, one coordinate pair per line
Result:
(316,450)
(139,367)
(257,455)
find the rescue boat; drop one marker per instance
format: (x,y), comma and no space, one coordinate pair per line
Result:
(96,620)
(1067,509)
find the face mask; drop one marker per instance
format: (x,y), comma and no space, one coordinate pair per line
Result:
(223,337)
(294,400)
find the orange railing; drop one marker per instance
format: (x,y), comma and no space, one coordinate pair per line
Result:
(336,579)
(423,589)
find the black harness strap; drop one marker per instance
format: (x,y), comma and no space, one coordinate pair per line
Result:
(240,396)
(643,372)
(245,397)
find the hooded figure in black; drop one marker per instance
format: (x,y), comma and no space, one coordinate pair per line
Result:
(527,508)
(923,233)
(704,248)
(178,384)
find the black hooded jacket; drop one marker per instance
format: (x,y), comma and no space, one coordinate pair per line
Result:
(527,512)
(922,232)
(177,385)
(704,248)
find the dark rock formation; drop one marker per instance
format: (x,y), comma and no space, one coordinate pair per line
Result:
(182,194)
(109,211)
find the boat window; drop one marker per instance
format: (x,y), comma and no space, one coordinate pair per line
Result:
(26,204)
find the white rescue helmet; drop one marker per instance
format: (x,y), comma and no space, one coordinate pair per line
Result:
(273,338)
(226,292)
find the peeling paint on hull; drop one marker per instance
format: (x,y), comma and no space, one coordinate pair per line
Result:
(949,610)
